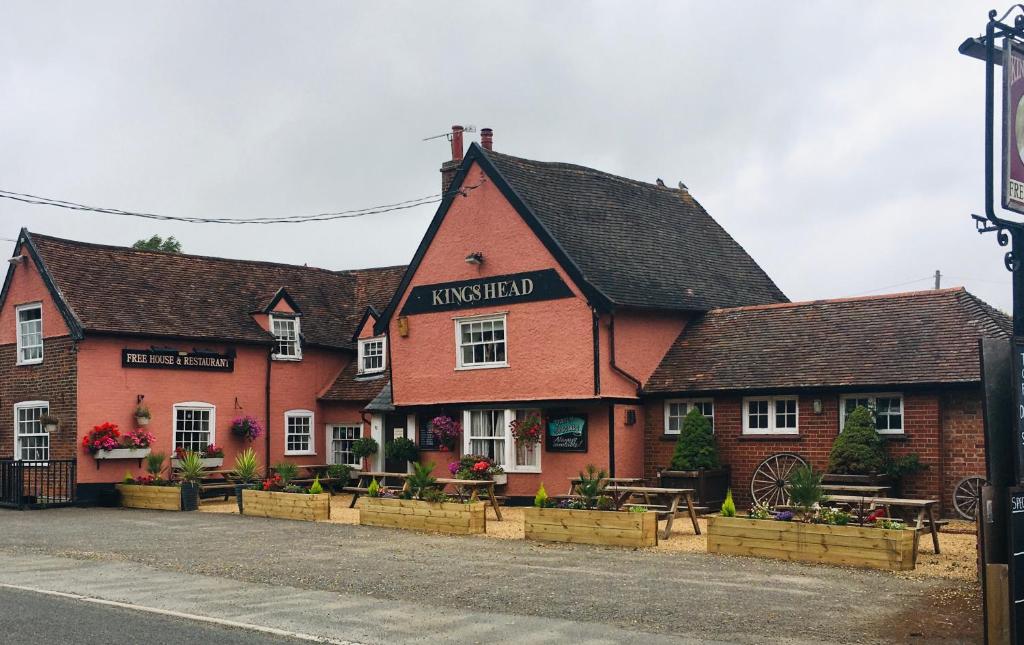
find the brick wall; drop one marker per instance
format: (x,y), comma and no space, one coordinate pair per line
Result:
(963,440)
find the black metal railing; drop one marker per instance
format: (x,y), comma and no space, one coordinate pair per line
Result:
(34,484)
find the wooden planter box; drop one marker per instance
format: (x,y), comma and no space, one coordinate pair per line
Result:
(854,546)
(612,528)
(443,517)
(710,484)
(161,498)
(286,506)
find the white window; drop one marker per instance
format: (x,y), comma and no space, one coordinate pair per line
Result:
(489,433)
(480,342)
(888,410)
(194,425)
(342,438)
(771,415)
(286,337)
(525,457)
(31,442)
(677,409)
(371,355)
(30,334)
(298,433)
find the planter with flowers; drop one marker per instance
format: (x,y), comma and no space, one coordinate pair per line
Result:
(447,432)
(279,498)
(142,415)
(813,533)
(420,505)
(246,428)
(151,491)
(49,422)
(106,441)
(479,468)
(211,457)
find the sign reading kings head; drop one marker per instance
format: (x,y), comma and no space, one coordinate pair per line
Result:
(1013,126)
(531,286)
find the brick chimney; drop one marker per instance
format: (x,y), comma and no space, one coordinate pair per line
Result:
(486,138)
(449,168)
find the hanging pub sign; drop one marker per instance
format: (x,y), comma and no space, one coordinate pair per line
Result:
(531,286)
(174,360)
(566,433)
(1013,126)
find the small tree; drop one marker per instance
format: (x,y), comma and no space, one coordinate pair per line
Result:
(858,449)
(695,448)
(157,243)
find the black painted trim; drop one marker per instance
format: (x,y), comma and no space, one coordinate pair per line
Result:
(282,294)
(597,351)
(70,319)
(371,311)
(611,440)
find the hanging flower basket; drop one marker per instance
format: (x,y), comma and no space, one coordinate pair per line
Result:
(246,428)
(447,431)
(49,422)
(528,431)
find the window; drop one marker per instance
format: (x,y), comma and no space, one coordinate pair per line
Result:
(342,438)
(298,433)
(888,410)
(771,415)
(194,425)
(481,342)
(371,355)
(286,337)
(31,442)
(676,409)
(488,433)
(525,457)
(30,334)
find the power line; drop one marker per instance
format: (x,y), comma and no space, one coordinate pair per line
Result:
(893,286)
(279,219)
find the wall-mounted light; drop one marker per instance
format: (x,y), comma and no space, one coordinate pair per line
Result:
(630,417)
(403,326)
(18,259)
(817,406)
(476,257)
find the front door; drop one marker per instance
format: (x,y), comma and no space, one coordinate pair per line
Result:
(394,426)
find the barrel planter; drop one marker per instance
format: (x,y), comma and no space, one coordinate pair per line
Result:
(160,498)
(853,546)
(709,484)
(610,528)
(440,517)
(287,506)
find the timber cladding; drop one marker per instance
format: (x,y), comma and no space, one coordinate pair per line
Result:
(612,528)
(854,546)
(440,517)
(287,506)
(159,498)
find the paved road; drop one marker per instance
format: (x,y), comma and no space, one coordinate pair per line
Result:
(30,618)
(378,585)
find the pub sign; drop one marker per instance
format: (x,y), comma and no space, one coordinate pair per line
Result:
(566,433)
(530,286)
(172,360)
(1013,126)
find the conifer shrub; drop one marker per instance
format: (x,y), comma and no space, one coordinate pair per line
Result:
(858,450)
(695,448)
(728,506)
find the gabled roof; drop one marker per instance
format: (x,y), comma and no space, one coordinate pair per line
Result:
(351,386)
(123,291)
(925,337)
(370,313)
(624,242)
(279,295)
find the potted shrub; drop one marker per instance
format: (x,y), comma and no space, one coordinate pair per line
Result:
(421,505)
(246,428)
(190,470)
(447,431)
(49,422)
(142,415)
(695,462)
(364,447)
(479,468)
(402,449)
(245,473)
(338,476)
(281,499)
(858,453)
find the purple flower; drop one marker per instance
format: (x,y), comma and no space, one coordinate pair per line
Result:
(453,467)
(784,516)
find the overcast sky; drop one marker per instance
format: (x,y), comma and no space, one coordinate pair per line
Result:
(840,144)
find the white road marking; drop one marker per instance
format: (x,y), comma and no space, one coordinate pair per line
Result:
(273,631)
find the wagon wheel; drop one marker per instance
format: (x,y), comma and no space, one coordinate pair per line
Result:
(966,496)
(770,483)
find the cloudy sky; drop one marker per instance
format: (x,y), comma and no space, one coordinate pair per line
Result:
(840,144)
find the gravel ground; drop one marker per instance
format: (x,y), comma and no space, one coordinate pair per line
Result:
(693,594)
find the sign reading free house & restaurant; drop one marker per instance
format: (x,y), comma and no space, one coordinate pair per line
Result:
(531,286)
(177,360)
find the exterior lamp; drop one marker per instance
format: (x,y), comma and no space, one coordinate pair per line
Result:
(18,259)
(476,257)
(817,406)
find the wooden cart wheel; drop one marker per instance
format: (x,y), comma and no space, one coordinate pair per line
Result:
(770,483)
(966,496)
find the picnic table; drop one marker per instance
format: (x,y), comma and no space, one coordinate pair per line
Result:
(873,490)
(922,508)
(622,494)
(615,481)
(474,485)
(364,479)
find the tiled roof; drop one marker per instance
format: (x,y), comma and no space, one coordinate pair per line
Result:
(350,386)
(117,290)
(640,244)
(923,337)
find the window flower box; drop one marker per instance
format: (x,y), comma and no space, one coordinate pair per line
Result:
(709,484)
(500,479)
(440,517)
(286,506)
(610,528)
(854,546)
(161,498)
(123,453)
(208,462)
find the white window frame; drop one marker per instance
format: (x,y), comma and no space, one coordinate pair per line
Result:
(689,403)
(20,341)
(358,427)
(363,342)
(305,414)
(873,397)
(510,448)
(459,364)
(295,320)
(193,405)
(18,435)
(771,429)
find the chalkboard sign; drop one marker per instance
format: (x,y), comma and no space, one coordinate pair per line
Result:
(1016,522)
(427,440)
(566,433)
(1018,400)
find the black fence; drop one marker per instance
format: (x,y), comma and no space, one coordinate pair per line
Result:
(33,484)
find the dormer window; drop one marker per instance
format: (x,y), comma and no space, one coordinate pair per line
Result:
(371,355)
(286,337)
